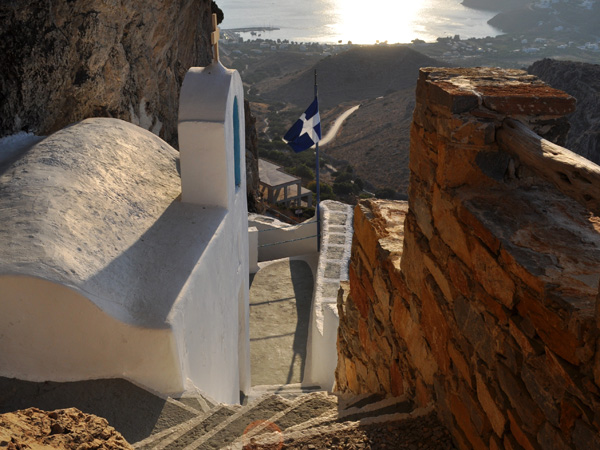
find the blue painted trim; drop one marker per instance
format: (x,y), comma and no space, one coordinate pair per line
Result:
(237,151)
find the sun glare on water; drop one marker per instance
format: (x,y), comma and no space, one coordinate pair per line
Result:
(377,20)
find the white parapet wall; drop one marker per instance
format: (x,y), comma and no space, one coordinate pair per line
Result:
(278,240)
(336,244)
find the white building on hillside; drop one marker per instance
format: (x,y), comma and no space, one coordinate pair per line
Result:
(114,266)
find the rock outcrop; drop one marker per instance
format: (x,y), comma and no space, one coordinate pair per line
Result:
(62,429)
(66,61)
(582,81)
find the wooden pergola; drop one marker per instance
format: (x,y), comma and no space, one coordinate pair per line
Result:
(279,187)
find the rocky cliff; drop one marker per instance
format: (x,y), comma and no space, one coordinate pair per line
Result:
(62,429)
(66,61)
(63,62)
(582,81)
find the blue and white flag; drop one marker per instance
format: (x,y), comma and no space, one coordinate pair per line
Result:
(306,131)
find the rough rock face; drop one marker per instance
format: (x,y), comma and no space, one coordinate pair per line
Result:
(255,203)
(60,429)
(66,61)
(63,62)
(582,81)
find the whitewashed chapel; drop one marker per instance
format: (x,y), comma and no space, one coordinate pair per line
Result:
(120,257)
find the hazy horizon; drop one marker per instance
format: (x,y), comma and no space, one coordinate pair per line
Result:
(398,21)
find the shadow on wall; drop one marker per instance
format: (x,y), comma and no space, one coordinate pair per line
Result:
(152,272)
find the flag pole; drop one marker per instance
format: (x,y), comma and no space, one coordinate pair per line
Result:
(318,184)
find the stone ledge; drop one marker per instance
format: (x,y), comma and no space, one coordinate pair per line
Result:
(510,92)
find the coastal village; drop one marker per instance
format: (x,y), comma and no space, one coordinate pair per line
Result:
(506,50)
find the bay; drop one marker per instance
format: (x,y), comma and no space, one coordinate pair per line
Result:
(331,21)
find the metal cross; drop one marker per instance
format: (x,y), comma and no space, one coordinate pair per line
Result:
(214,38)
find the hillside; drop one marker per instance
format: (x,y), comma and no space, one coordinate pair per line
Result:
(582,81)
(576,18)
(375,141)
(360,73)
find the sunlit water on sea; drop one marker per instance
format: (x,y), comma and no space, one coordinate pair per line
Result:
(359,21)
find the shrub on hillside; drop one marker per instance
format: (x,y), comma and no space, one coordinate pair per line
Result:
(387,193)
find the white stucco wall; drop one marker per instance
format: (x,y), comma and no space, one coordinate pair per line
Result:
(278,240)
(105,273)
(218,329)
(52,332)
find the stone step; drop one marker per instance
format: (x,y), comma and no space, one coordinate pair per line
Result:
(254,413)
(378,407)
(301,409)
(188,430)
(289,391)
(272,417)
(200,403)
(360,411)
(313,428)
(215,428)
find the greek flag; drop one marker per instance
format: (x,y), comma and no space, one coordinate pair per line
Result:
(306,131)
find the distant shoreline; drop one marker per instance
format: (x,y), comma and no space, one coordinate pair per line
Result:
(438,19)
(251,29)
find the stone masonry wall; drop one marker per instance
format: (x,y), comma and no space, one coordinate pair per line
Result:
(479,294)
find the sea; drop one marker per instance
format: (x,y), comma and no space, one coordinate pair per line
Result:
(357,21)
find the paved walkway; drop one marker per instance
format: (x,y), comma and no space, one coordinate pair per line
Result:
(280,303)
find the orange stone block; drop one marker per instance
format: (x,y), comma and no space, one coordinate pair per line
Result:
(527,99)
(448,226)
(460,363)
(460,276)
(422,393)
(524,439)
(422,161)
(550,327)
(478,229)
(463,421)
(490,274)
(351,376)
(440,278)
(366,341)
(495,443)
(490,305)
(508,261)
(364,232)
(457,166)
(397,381)
(357,294)
(492,410)
(569,413)
(383,377)
(435,328)
(520,338)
